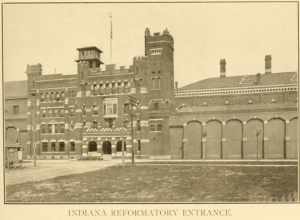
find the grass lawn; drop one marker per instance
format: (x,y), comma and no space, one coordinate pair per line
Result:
(164,183)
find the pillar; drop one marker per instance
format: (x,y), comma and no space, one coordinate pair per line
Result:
(99,146)
(203,140)
(113,146)
(128,144)
(84,148)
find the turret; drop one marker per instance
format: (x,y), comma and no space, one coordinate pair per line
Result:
(89,57)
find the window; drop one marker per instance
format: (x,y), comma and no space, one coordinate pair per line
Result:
(72,146)
(110,107)
(53,147)
(152,127)
(155,126)
(155,105)
(159,127)
(139,145)
(95,110)
(16,109)
(61,146)
(156,51)
(44,146)
(49,128)
(155,83)
(62,128)
(43,128)
(56,128)
(95,124)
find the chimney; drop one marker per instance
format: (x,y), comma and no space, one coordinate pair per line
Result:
(222,68)
(268,64)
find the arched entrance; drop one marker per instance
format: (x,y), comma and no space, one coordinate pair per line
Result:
(92,146)
(213,139)
(233,135)
(106,147)
(119,146)
(193,136)
(275,133)
(254,132)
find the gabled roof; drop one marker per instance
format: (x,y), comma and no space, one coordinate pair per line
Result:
(244,81)
(15,89)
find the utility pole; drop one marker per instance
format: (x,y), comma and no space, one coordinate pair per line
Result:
(123,149)
(133,102)
(34,155)
(110,37)
(132,134)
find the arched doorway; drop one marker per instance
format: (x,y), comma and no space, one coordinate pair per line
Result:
(193,136)
(233,133)
(275,133)
(213,139)
(92,146)
(119,146)
(254,132)
(106,147)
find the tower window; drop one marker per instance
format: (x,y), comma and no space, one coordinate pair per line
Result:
(16,109)
(156,83)
(72,146)
(155,51)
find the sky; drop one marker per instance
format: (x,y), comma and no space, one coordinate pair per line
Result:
(203,34)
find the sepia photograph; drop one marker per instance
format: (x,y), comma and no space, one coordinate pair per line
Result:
(145,103)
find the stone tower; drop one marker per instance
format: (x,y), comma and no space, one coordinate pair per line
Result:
(159,50)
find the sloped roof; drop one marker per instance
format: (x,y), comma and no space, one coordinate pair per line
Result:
(15,89)
(244,81)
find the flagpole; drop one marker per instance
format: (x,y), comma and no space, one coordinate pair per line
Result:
(110,37)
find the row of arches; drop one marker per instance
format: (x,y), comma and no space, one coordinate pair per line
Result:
(254,139)
(106,147)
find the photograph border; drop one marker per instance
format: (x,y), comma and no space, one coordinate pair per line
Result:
(140,2)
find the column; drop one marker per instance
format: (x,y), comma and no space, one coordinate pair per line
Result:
(84,147)
(128,145)
(113,146)
(222,138)
(99,146)
(264,140)
(204,134)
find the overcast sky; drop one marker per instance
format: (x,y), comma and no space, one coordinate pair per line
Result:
(203,33)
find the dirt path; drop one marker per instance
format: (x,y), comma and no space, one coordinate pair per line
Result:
(47,169)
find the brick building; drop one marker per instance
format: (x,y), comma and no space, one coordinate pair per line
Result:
(252,116)
(15,114)
(86,113)
(226,117)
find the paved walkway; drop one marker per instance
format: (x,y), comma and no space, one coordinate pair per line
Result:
(47,169)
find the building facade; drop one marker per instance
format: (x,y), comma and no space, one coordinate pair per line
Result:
(87,114)
(237,117)
(15,114)
(225,117)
